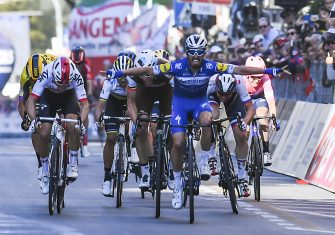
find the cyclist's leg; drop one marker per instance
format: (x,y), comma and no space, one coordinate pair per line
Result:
(203,114)
(262,109)
(70,108)
(241,139)
(144,142)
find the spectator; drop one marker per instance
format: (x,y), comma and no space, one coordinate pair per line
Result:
(289,17)
(268,32)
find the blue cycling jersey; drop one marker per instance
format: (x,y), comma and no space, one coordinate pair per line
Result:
(187,84)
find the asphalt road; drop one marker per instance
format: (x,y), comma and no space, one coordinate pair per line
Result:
(285,208)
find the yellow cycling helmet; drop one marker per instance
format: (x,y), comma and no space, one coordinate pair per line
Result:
(35,66)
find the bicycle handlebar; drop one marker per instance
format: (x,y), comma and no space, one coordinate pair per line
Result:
(58,119)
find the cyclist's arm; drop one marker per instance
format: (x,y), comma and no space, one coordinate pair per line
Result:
(136,71)
(244,70)
(100,108)
(31,106)
(269,96)
(22,99)
(84,109)
(21,107)
(132,110)
(250,112)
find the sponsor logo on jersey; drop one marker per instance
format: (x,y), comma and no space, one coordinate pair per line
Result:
(178,66)
(209,66)
(43,76)
(78,79)
(221,67)
(165,67)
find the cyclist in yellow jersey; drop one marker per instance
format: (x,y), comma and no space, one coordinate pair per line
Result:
(29,76)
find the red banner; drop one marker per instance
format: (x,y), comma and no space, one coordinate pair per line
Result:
(322,168)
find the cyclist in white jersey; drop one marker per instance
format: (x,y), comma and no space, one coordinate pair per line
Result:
(59,87)
(231,91)
(112,102)
(191,78)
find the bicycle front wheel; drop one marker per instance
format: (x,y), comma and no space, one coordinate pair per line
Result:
(54,175)
(158,174)
(258,168)
(228,174)
(191,159)
(120,172)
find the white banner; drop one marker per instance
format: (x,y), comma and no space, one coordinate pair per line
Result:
(94,27)
(203,8)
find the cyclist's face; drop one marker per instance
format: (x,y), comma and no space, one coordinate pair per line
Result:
(254,80)
(195,57)
(223,98)
(147,79)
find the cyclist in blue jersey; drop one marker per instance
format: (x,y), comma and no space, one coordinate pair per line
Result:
(191,78)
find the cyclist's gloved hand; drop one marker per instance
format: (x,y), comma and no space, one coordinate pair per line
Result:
(133,130)
(25,124)
(242,125)
(273,71)
(82,128)
(35,124)
(112,74)
(276,126)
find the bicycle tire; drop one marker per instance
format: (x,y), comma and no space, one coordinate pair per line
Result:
(53,175)
(158,174)
(61,189)
(258,168)
(191,159)
(228,169)
(120,171)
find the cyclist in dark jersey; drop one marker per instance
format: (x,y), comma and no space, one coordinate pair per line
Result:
(78,57)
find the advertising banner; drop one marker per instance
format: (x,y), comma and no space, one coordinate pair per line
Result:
(321,170)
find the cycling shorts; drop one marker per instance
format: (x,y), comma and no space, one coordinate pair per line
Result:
(184,108)
(64,103)
(115,108)
(260,102)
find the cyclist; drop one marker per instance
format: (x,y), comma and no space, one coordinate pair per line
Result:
(58,87)
(143,91)
(231,91)
(112,102)
(29,75)
(191,78)
(260,89)
(78,57)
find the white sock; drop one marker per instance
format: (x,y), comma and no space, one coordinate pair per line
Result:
(177,179)
(241,169)
(45,165)
(73,158)
(145,170)
(212,150)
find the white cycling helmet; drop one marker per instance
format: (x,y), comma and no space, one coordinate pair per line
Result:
(225,84)
(257,62)
(196,42)
(145,58)
(63,70)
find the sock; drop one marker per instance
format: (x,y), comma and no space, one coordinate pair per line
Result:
(107,174)
(85,139)
(45,165)
(38,160)
(241,169)
(145,169)
(205,155)
(212,150)
(73,158)
(265,146)
(177,179)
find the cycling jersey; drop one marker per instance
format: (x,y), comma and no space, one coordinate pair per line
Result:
(187,84)
(85,71)
(160,81)
(263,89)
(112,87)
(240,89)
(26,84)
(46,80)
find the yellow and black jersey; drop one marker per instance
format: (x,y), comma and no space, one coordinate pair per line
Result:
(26,83)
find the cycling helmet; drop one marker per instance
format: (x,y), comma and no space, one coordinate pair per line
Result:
(145,58)
(63,71)
(195,41)
(128,53)
(161,53)
(77,54)
(257,62)
(225,84)
(280,42)
(35,66)
(122,63)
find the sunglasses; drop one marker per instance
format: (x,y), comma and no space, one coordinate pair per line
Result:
(262,26)
(291,33)
(195,52)
(256,77)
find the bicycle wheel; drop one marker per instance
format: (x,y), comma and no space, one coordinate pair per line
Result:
(61,189)
(120,171)
(258,168)
(228,174)
(54,173)
(160,162)
(191,159)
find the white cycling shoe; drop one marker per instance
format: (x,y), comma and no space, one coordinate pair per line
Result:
(267,159)
(72,171)
(44,185)
(205,171)
(106,189)
(85,152)
(144,182)
(177,200)
(39,173)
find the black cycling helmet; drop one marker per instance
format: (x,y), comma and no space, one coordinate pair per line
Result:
(77,54)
